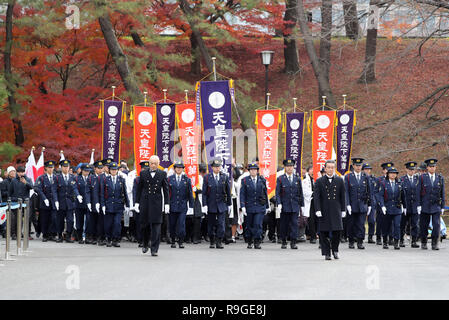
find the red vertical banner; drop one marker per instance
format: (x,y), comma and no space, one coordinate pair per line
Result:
(322,138)
(267,122)
(189,134)
(144,134)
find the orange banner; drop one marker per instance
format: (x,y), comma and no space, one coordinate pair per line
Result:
(189,134)
(322,138)
(267,122)
(144,134)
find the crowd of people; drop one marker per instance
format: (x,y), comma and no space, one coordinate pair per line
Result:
(104,203)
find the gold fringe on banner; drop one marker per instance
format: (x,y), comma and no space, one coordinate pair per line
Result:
(284,129)
(354,117)
(309,121)
(101,108)
(131,114)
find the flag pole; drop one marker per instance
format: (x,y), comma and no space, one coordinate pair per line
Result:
(324,102)
(268,100)
(145,98)
(344,102)
(165,95)
(113,92)
(187,95)
(214,69)
(294,104)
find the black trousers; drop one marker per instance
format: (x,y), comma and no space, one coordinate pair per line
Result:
(329,240)
(312,225)
(153,230)
(193,228)
(273,224)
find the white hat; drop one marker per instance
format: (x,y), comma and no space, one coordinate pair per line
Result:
(10,168)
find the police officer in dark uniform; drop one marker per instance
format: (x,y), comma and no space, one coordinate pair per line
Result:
(432,203)
(379,214)
(392,200)
(329,197)
(82,211)
(66,191)
(289,202)
(114,200)
(45,187)
(254,203)
(358,203)
(181,203)
(412,192)
(151,195)
(218,202)
(95,225)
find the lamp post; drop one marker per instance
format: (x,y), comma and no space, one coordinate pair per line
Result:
(267,59)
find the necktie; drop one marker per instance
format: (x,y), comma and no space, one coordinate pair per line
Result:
(178,179)
(113,182)
(254,181)
(358,178)
(392,185)
(432,179)
(291,179)
(216,178)
(65,177)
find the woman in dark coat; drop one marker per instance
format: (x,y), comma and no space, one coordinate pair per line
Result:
(329,201)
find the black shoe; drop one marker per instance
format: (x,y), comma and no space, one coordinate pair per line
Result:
(391,242)
(335,254)
(279,241)
(250,245)
(257,245)
(424,245)
(414,244)
(378,241)
(218,245)
(93,242)
(343,240)
(435,244)
(82,242)
(144,249)
(385,246)
(115,244)
(181,246)
(13,237)
(173,245)
(351,245)
(327,257)
(59,240)
(109,244)
(101,242)
(312,241)
(212,244)
(360,245)
(196,241)
(140,246)
(44,239)
(284,245)
(273,240)
(396,244)
(370,239)
(154,254)
(293,244)
(401,243)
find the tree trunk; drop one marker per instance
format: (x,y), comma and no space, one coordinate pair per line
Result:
(323,81)
(195,66)
(120,59)
(325,44)
(11,84)
(291,57)
(136,38)
(183,4)
(351,20)
(369,73)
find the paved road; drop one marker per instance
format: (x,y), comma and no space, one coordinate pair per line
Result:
(235,272)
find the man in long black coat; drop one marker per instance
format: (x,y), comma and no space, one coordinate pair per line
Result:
(329,201)
(151,195)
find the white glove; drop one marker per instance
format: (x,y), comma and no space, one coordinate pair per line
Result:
(130,213)
(190,211)
(57,205)
(268,211)
(369,211)
(47,203)
(136,207)
(89,206)
(419,209)
(442,211)
(126,209)
(384,210)
(80,198)
(194,189)
(349,209)
(230,212)
(278,211)
(343,214)
(271,206)
(404,210)
(303,210)
(244,211)
(167,208)
(104,210)
(318,214)
(97,207)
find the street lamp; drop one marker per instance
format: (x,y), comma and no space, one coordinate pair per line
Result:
(267,59)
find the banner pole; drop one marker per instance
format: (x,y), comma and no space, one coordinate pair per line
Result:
(344,102)
(113,92)
(214,69)
(294,104)
(165,95)
(268,100)
(324,102)
(187,96)
(145,99)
